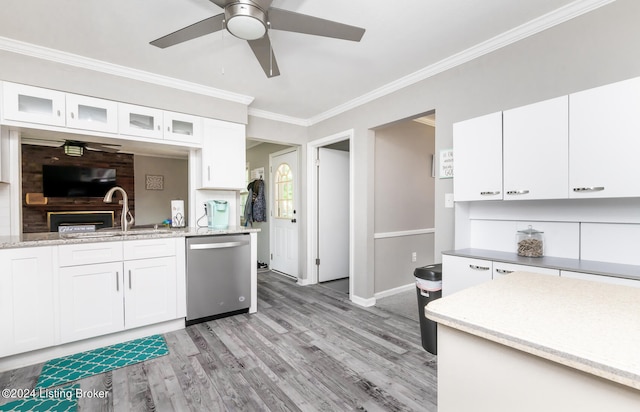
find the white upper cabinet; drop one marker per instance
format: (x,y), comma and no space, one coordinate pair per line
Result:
(183,128)
(604,141)
(535,150)
(33,104)
(90,113)
(223,155)
(140,121)
(477,148)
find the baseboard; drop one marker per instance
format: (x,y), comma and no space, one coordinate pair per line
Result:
(363,302)
(42,355)
(394,291)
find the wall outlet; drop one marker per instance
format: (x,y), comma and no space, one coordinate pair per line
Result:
(414,256)
(448,200)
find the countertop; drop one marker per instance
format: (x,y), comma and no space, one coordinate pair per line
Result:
(590,326)
(53,238)
(575,265)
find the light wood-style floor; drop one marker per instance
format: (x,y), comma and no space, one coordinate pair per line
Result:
(307,349)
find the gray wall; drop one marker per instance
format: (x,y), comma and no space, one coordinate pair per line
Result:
(257,157)
(403,200)
(154,206)
(597,48)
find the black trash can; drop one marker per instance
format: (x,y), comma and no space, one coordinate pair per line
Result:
(428,288)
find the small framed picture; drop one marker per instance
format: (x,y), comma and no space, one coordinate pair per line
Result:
(154,182)
(446,164)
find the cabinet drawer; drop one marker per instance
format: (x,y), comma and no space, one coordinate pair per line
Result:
(149,248)
(600,278)
(502,269)
(88,253)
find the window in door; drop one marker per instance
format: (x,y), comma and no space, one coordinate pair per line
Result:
(284,192)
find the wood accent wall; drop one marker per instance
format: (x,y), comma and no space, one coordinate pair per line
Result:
(34,217)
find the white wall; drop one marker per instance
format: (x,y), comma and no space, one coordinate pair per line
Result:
(597,48)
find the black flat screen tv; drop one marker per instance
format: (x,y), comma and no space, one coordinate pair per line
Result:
(76,181)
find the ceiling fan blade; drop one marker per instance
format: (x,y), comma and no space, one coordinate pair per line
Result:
(101,148)
(201,28)
(262,49)
(302,23)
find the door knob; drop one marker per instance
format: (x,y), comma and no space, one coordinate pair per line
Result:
(293,220)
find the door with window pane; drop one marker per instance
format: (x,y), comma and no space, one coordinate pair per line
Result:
(284,205)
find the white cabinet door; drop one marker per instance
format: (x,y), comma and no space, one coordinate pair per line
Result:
(536,150)
(140,121)
(459,273)
(33,104)
(150,291)
(502,269)
(223,155)
(27,310)
(91,300)
(599,278)
(477,151)
(183,128)
(90,113)
(603,141)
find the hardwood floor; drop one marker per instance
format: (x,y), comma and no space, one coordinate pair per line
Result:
(307,349)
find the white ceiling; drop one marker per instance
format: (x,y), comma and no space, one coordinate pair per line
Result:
(317,74)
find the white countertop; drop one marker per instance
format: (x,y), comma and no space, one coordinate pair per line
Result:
(53,238)
(590,326)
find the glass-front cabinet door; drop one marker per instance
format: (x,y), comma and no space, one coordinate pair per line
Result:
(139,121)
(33,104)
(89,113)
(182,128)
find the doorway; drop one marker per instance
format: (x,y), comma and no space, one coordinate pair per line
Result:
(285,203)
(330,203)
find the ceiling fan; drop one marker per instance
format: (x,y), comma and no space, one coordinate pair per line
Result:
(76,147)
(251,20)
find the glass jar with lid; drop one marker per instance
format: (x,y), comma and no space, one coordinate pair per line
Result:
(530,242)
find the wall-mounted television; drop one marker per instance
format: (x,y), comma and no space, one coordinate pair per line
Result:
(76,181)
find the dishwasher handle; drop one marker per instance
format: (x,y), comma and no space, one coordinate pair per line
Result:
(220,245)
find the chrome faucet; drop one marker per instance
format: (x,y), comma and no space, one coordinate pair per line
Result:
(108,198)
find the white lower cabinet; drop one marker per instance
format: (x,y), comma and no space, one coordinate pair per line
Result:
(91,300)
(600,278)
(150,291)
(460,273)
(502,269)
(134,286)
(26,300)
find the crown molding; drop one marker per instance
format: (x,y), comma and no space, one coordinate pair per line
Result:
(278,117)
(70,59)
(551,19)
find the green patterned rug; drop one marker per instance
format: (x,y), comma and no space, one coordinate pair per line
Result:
(70,368)
(58,400)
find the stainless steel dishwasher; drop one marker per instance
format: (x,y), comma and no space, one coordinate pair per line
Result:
(218,276)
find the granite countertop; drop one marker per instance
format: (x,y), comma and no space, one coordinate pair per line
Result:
(589,326)
(575,265)
(53,238)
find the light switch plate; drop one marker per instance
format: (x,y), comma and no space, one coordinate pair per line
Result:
(448,200)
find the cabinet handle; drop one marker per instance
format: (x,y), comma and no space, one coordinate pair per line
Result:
(159,128)
(168,129)
(489,193)
(517,192)
(73,116)
(208,172)
(117,281)
(588,189)
(504,271)
(58,113)
(476,267)
(129,279)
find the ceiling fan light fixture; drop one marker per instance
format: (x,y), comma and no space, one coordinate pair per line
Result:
(246,21)
(71,150)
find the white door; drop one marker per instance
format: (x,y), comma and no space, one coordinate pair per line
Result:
(333,214)
(284,207)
